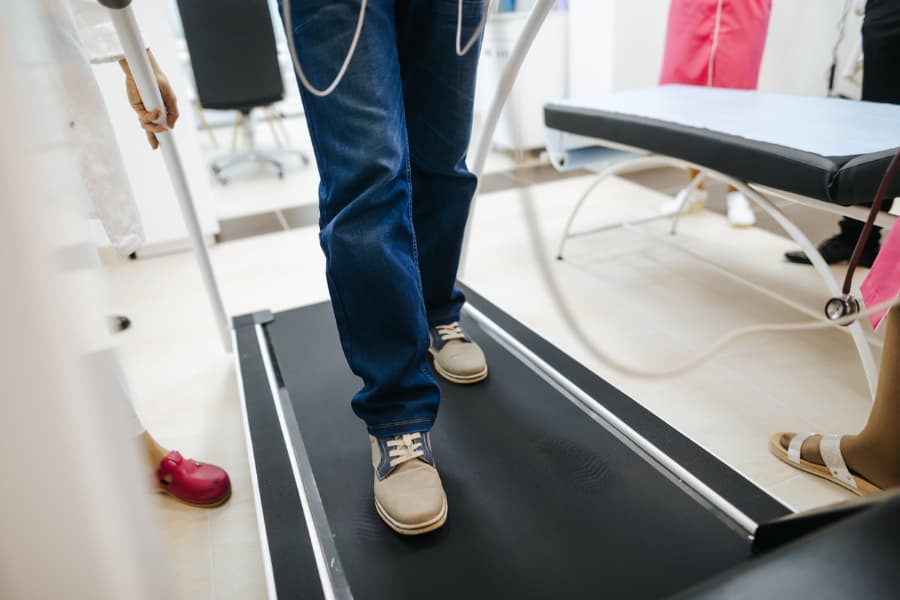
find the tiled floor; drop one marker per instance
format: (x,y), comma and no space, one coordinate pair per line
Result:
(645,301)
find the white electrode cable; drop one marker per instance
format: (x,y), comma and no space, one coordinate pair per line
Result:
(560,302)
(289,34)
(459,18)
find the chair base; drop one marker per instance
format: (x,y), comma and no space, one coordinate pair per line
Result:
(252,154)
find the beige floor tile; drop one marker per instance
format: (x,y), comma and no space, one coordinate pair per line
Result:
(807,491)
(235,576)
(186,543)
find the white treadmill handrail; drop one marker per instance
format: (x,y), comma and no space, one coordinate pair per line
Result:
(135,53)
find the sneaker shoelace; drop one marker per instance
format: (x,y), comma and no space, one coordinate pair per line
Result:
(451,331)
(404,448)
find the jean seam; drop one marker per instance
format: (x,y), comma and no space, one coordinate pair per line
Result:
(415,250)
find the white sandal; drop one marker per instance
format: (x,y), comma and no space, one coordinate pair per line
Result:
(835,469)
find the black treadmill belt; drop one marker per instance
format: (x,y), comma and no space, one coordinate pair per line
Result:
(543,501)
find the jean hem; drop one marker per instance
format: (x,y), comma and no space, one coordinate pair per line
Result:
(387,430)
(444,318)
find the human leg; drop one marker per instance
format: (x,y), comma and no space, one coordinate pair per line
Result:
(360,141)
(873,453)
(359,135)
(439,91)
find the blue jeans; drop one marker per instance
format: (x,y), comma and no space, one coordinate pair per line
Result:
(394,192)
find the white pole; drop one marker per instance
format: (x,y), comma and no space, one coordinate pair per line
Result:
(135,52)
(536,18)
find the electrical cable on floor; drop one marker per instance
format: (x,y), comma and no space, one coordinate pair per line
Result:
(544,261)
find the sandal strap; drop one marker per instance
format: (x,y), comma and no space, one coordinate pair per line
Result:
(830,449)
(796,444)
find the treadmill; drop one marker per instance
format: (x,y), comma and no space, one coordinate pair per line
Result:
(559,485)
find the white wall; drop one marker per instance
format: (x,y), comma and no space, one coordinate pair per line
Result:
(153,191)
(798,54)
(618,44)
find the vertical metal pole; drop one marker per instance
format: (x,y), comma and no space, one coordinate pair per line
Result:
(536,18)
(135,52)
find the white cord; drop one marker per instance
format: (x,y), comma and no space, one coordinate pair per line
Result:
(289,26)
(560,303)
(716,346)
(459,15)
(289,31)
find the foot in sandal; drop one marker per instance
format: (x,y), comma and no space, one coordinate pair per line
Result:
(839,459)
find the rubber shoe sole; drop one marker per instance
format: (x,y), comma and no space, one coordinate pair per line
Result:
(415,529)
(461,379)
(213,504)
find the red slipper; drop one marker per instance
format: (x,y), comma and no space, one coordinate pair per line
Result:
(194,483)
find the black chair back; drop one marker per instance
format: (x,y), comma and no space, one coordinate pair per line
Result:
(233,53)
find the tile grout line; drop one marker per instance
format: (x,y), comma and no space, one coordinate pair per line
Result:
(212,558)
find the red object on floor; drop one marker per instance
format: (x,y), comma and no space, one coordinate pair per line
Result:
(195,483)
(716,43)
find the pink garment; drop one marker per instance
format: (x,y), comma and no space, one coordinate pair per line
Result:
(883,281)
(716,43)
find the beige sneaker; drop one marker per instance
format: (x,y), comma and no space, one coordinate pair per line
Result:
(456,357)
(409,496)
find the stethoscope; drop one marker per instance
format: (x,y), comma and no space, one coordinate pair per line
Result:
(846,305)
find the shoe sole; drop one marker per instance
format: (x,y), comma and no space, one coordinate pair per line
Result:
(417,529)
(214,504)
(461,379)
(839,263)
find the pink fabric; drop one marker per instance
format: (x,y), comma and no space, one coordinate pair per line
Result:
(692,55)
(883,281)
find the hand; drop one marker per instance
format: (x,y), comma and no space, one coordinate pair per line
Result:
(146,117)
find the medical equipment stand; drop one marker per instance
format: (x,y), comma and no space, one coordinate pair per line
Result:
(135,52)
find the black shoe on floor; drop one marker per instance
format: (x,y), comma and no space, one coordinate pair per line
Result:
(836,250)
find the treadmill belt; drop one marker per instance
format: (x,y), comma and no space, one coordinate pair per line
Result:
(544,502)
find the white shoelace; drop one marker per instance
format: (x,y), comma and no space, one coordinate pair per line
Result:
(404,448)
(450,332)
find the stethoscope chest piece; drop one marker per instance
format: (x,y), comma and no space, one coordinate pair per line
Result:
(838,308)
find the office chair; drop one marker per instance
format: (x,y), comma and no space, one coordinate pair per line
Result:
(235,64)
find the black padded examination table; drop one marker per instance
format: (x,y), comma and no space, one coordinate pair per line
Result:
(827,154)
(822,148)
(546,499)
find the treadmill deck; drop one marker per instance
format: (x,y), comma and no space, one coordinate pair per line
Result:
(544,501)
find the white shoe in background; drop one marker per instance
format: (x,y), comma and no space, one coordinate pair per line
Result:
(694,203)
(739,212)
